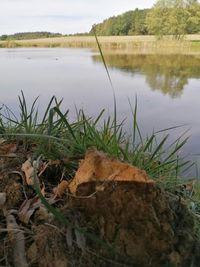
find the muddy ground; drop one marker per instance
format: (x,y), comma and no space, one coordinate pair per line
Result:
(114,215)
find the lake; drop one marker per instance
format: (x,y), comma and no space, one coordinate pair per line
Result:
(167,86)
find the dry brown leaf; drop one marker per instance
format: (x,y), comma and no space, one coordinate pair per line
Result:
(28,169)
(8,148)
(60,190)
(42,214)
(28,207)
(97,166)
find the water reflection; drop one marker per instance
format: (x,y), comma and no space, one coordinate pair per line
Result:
(167,73)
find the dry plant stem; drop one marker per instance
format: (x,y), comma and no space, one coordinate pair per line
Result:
(44,168)
(16,237)
(11,155)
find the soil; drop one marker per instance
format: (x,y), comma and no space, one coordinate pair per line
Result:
(116,219)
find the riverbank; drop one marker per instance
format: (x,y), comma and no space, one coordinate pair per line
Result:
(81,193)
(125,44)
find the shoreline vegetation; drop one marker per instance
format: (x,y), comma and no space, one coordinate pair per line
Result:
(124,44)
(46,154)
(55,131)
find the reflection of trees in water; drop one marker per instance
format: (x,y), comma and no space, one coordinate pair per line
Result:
(168,73)
(167,80)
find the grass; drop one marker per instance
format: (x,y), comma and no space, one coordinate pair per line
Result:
(57,136)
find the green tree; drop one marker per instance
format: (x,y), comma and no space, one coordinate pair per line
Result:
(157,18)
(177,20)
(139,22)
(175,17)
(193,20)
(3,37)
(130,22)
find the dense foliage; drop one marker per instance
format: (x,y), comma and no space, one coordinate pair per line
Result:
(129,23)
(29,35)
(176,17)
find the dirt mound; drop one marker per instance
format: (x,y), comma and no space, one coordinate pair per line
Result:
(147,226)
(118,217)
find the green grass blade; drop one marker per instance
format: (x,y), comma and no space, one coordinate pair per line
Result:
(66,122)
(159,147)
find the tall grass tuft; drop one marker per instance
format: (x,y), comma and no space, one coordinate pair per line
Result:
(57,136)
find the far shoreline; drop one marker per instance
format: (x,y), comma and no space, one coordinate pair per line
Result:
(190,44)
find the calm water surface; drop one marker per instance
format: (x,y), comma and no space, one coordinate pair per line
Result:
(167,87)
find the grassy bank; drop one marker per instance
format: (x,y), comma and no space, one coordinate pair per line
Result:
(121,43)
(56,136)
(54,146)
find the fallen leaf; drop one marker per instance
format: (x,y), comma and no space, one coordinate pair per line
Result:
(60,190)
(28,207)
(42,214)
(28,169)
(7,148)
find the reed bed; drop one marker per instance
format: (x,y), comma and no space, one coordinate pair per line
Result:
(127,44)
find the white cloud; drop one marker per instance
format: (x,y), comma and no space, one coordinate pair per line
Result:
(60,15)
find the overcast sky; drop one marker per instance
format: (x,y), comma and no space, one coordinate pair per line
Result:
(64,16)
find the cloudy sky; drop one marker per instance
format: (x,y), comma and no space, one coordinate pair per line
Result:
(64,16)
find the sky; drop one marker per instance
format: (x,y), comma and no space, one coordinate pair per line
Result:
(63,16)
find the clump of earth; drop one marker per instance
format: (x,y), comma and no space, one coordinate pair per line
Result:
(114,215)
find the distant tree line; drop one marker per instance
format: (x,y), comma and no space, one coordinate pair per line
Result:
(29,35)
(174,17)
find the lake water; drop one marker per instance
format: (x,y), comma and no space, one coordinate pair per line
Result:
(167,87)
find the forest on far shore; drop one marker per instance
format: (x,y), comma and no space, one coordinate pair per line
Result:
(29,35)
(166,17)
